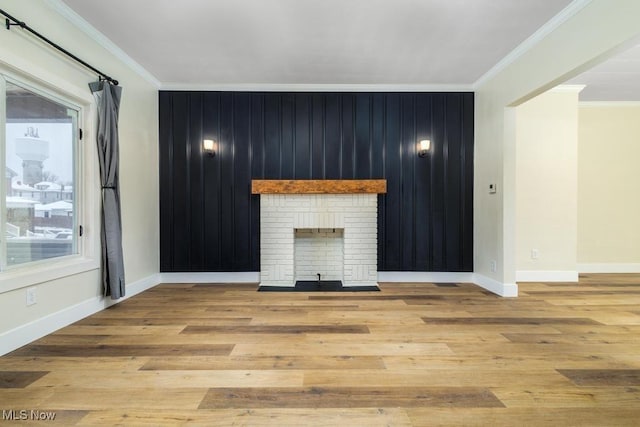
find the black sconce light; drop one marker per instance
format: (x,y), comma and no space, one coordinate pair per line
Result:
(423,147)
(208,145)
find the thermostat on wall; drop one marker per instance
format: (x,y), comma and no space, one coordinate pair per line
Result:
(492,189)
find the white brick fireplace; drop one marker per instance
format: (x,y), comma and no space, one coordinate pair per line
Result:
(337,236)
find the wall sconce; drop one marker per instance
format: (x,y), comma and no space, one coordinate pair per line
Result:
(208,145)
(423,147)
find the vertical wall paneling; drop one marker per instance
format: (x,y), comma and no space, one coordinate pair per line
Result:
(422,188)
(210,221)
(437,160)
(211,183)
(195,181)
(392,216)
(166,194)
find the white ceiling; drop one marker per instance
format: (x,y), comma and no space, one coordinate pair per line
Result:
(203,43)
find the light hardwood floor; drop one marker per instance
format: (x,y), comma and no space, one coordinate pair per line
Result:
(412,354)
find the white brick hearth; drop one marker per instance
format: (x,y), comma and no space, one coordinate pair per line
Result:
(354,242)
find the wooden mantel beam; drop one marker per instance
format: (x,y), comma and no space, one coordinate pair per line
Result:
(318,186)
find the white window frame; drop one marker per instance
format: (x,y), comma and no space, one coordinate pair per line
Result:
(86,205)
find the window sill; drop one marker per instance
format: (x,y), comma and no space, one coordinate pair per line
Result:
(22,277)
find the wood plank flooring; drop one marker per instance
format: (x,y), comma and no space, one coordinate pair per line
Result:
(411,355)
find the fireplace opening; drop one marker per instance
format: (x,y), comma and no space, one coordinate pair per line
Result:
(319,255)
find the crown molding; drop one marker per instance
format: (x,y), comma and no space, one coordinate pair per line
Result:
(565,14)
(277,87)
(70,15)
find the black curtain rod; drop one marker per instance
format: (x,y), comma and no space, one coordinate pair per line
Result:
(24,26)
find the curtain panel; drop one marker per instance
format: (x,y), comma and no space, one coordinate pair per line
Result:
(107,97)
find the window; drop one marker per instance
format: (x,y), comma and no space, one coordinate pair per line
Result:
(39,148)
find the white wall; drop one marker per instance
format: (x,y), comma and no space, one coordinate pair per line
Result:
(79,293)
(546,186)
(586,38)
(609,188)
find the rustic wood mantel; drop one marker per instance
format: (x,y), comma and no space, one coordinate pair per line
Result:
(318,186)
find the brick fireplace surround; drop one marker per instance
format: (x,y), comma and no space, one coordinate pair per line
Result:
(345,208)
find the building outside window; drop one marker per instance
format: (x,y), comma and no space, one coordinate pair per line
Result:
(39,148)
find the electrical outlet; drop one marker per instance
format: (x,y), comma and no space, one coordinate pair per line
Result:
(535,254)
(31,296)
(494,266)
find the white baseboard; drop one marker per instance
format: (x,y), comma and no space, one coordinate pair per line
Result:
(609,268)
(547,276)
(214,277)
(502,289)
(424,276)
(22,335)
(509,290)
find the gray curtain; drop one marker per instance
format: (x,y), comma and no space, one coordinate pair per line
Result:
(108,102)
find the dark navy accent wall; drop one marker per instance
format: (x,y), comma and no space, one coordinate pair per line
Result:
(209,221)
